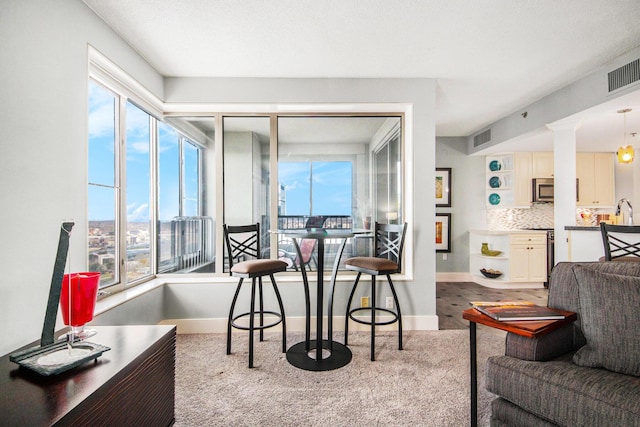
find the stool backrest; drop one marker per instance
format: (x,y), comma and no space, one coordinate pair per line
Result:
(390,241)
(620,241)
(242,241)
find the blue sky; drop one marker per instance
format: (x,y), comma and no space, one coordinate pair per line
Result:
(332,190)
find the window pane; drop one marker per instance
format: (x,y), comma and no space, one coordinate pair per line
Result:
(101,199)
(295,179)
(138,193)
(331,188)
(168,191)
(246,174)
(191,179)
(102,234)
(102,135)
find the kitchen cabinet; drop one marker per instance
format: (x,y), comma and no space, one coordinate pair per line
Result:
(542,164)
(528,257)
(596,179)
(523,175)
(523,259)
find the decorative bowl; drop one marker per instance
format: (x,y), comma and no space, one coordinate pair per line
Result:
(494,199)
(495,165)
(495,182)
(491,273)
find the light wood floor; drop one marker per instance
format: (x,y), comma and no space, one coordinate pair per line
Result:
(453,297)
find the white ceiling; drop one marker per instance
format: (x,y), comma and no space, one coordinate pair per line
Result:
(490,57)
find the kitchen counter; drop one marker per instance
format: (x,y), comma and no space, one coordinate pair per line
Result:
(507,232)
(582,228)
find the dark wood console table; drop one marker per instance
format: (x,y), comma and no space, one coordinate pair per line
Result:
(131,384)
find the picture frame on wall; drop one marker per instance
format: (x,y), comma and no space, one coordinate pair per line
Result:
(443,232)
(443,187)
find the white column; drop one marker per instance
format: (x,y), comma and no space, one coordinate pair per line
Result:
(564,174)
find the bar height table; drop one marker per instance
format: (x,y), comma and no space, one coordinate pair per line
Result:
(300,355)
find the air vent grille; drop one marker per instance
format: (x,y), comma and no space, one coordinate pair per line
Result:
(482,138)
(624,75)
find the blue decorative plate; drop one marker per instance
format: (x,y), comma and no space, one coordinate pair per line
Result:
(494,199)
(495,165)
(494,182)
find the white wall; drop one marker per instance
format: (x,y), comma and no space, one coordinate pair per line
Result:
(467,203)
(43,171)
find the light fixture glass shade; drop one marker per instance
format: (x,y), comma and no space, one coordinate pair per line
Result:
(625,154)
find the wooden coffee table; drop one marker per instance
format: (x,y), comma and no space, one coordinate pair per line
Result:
(525,328)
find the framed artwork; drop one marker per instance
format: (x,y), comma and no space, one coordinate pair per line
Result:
(443,232)
(443,187)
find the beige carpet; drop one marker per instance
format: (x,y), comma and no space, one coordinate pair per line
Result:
(426,384)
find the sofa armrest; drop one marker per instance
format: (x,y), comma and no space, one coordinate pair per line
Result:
(547,347)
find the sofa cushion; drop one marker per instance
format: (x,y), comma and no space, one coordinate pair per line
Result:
(610,317)
(563,288)
(566,394)
(506,414)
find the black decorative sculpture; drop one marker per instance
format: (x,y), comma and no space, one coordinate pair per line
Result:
(53,357)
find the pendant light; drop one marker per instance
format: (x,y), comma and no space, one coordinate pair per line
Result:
(625,152)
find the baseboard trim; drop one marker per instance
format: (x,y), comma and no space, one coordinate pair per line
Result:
(454,277)
(297,324)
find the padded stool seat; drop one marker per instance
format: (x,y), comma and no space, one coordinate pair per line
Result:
(258,267)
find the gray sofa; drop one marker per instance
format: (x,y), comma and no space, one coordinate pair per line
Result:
(586,373)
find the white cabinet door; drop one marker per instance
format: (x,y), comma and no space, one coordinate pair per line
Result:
(522,184)
(604,185)
(542,164)
(528,258)
(596,182)
(519,263)
(538,263)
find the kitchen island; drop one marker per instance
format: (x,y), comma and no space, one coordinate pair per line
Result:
(585,243)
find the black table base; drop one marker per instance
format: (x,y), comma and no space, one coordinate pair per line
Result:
(299,357)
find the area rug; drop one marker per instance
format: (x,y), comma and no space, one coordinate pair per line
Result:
(425,384)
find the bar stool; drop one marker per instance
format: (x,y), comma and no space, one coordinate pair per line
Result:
(389,241)
(243,245)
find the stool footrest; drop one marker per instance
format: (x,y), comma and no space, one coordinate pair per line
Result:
(369,322)
(257,327)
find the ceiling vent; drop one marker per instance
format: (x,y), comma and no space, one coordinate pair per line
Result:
(482,138)
(624,75)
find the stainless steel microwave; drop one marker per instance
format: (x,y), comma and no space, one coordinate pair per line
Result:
(542,190)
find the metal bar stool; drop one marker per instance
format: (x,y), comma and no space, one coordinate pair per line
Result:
(243,245)
(389,239)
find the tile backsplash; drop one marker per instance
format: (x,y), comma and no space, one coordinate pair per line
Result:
(540,215)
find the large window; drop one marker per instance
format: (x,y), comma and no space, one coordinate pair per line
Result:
(347,170)
(145,187)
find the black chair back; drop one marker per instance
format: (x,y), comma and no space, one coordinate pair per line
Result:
(242,241)
(390,241)
(620,241)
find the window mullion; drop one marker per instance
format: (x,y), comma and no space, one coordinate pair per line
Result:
(121,211)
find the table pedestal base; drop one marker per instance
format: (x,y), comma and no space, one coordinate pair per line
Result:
(298,356)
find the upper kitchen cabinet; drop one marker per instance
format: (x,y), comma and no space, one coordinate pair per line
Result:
(542,164)
(508,180)
(596,179)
